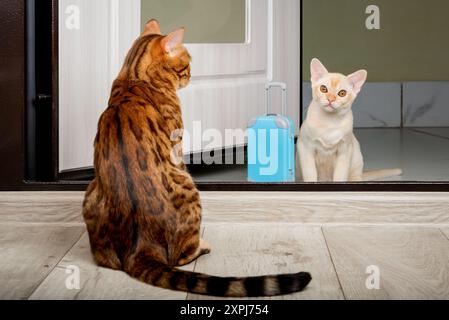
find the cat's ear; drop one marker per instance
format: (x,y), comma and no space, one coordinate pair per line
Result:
(317,69)
(173,41)
(152,27)
(357,80)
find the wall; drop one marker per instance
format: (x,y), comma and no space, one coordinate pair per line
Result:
(406,59)
(411,44)
(394,105)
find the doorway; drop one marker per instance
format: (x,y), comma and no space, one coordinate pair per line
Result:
(234,55)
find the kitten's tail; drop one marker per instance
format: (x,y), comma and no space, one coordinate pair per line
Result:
(162,276)
(380,174)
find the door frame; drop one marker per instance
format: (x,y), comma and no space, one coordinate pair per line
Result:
(13,132)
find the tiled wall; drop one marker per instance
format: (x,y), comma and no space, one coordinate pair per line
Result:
(410,104)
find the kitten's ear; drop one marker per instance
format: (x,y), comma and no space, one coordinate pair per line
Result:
(357,80)
(317,69)
(152,27)
(174,40)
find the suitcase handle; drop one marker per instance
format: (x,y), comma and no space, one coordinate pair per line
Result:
(281,85)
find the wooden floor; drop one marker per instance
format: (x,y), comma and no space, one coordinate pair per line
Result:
(339,237)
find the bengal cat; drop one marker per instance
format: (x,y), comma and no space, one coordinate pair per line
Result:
(142,210)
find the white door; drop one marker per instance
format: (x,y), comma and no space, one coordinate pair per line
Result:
(228,79)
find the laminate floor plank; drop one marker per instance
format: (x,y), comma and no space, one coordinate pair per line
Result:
(29,253)
(314,208)
(446,232)
(41,207)
(252,250)
(412,263)
(96,282)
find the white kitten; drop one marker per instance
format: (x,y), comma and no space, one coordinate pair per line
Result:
(327,147)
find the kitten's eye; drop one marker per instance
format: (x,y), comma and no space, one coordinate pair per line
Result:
(342,93)
(323,89)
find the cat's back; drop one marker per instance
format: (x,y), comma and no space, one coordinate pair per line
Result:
(125,146)
(132,116)
(120,126)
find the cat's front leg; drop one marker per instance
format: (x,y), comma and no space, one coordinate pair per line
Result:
(343,163)
(307,162)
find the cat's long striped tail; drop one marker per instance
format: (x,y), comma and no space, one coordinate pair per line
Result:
(162,276)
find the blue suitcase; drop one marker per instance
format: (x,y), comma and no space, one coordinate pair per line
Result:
(271,144)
